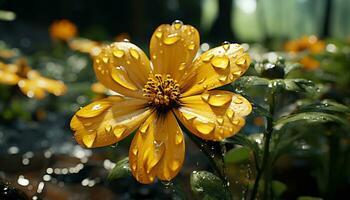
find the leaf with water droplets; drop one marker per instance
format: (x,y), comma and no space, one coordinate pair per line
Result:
(208,186)
(120,170)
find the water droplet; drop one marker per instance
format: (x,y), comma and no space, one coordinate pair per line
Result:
(238,101)
(220,120)
(133,166)
(222,78)
(220,62)
(105,59)
(203,127)
(118,131)
(118,53)
(144,128)
(219,99)
(171,39)
(182,66)
(178,138)
(174,165)
(205,96)
(94,109)
(235,122)
(188,116)
(154,57)
(120,75)
(230,113)
(207,57)
(89,139)
(191,47)
(202,80)
(159,34)
(237,73)
(108,128)
(134,54)
(177,24)
(226,45)
(134,151)
(241,61)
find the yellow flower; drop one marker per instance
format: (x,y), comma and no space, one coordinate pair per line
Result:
(155,95)
(62,30)
(310,44)
(85,46)
(29,81)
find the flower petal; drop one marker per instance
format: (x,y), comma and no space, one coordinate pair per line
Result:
(8,78)
(158,149)
(173,48)
(214,115)
(31,89)
(215,68)
(107,121)
(123,68)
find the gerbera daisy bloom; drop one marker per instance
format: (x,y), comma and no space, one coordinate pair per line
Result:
(29,81)
(157,94)
(63,30)
(310,44)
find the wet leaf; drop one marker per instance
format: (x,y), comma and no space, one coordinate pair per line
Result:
(120,170)
(300,85)
(237,155)
(327,106)
(291,67)
(249,81)
(208,186)
(309,117)
(278,187)
(259,110)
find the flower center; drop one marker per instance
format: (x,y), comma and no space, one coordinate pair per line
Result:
(163,91)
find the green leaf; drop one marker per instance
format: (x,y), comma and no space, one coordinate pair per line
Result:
(278,187)
(120,170)
(249,81)
(292,67)
(328,106)
(259,110)
(309,117)
(300,85)
(208,186)
(237,155)
(309,198)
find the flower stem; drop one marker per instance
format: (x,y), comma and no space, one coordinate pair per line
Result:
(266,153)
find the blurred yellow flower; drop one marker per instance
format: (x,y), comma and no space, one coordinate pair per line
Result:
(85,46)
(62,30)
(29,81)
(310,44)
(156,94)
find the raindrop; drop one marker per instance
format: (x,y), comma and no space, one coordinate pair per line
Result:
(118,131)
(219,99)
(202,127)
(220,62)
(171,39)
(134,54)
(159,34)
(89,139)
(226,45)
(118,53)
(177,24)
(207,57)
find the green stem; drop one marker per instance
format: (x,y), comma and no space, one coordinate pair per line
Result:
(266,153)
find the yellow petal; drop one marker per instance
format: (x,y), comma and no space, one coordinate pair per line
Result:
(214,115)
(215,68)
(8,78)
(31,89)
(123,68)
(158,149)
(85,46)
(107,121)
(173,48)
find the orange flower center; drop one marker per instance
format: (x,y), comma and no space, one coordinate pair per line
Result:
(163,91)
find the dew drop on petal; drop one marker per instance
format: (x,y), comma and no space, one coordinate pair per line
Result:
(182,66)
(238,101)
(220,62)
(205,96)
(134,151)
(177,24)
(241,61)
(207,57)
(178,138)
(174,165)
(191,47)
(159,34)
(105,60)
(230,113)
(219,99)
(118,53)
(203,127)
(134,54)
(220,120)
(222,78)
(171,39)
(108,128)
(226,45)
(89,139)
(118,131)
(144,128)
(188,116)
